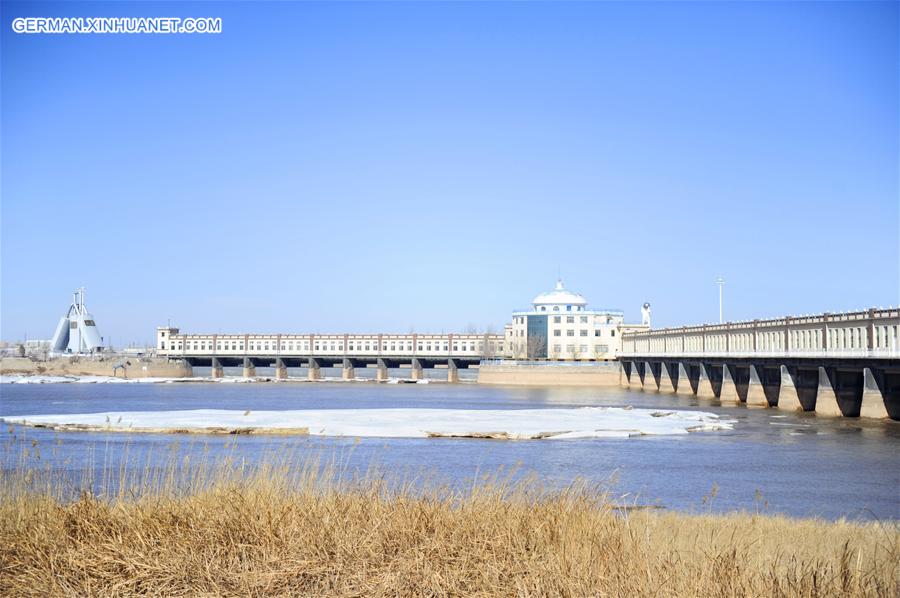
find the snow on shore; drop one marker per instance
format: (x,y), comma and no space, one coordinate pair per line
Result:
(91,379)
(514,424)
(71,379)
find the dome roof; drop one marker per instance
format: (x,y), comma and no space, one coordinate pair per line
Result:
(559,296)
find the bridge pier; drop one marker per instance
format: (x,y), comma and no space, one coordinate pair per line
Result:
(714,376)
(770,377)
(217,371)
(887,381)
(417,372)
(281,372)
(873,399)
(729,393)
(685,384)
(347,370)
(700,382)
(249,368)
(381,374)
(634,375)
(314,370)
(756,395)
(826,400)
(668,377)
(849,386)
(651,375)
(799,388)
(787,393)
(452,371)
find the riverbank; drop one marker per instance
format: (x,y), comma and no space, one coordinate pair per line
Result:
(134,368)
(301,530)
(550,373)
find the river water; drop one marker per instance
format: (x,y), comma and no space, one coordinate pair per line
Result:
(774,462)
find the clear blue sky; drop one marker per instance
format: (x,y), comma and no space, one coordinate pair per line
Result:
(387,166)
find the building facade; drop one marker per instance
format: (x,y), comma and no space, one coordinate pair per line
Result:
(171,342)
(560,326)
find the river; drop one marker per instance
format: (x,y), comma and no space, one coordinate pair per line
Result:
(771,461)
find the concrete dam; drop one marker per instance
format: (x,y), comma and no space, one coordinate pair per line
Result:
(845,364)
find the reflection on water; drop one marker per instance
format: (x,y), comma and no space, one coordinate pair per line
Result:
(798,464)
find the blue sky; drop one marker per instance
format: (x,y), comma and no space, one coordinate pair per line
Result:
(330,167)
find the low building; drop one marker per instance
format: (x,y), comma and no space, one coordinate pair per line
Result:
(560,326)
(171,342)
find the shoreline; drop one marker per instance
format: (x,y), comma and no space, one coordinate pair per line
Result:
(318,531)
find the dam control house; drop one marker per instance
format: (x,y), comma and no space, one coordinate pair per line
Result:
(560,326)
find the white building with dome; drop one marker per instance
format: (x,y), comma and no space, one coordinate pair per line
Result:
(560,326)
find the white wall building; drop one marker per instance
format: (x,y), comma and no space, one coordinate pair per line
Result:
(561,326)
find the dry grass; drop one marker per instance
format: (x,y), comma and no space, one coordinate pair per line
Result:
(299,530)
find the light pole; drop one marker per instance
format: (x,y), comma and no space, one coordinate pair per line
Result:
(721,282)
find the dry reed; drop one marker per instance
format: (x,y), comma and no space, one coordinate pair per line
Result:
(309,529)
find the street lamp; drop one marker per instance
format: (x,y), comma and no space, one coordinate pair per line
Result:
(721,282)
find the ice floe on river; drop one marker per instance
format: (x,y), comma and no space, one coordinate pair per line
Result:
(513,424)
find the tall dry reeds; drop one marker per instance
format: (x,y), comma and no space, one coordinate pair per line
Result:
(284,529)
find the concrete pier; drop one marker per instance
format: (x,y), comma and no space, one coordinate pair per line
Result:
(216,369)
(788,400)
(666,381)
(381,374)
(652,373)
(281,372)
(417,372)
(452,371)
(874,403)
(249,368)
(314,370)
(684,381)
(826,400)
(729,391)
(348,372)
(756,395)
(704,384)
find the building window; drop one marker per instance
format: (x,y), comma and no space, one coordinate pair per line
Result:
(584,319)
(582,348)
(570,319)
(555,308)
(556,332)
(570,333)
(598,332)
(582,333)
(557,319)
(568,308)
(612,332)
